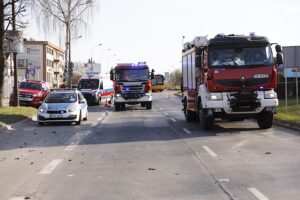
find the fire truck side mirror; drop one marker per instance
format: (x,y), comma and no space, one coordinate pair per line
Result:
(111,75)
(152,74)
(278,48)
(279,59)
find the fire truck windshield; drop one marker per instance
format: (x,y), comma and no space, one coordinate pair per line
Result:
(132,75)
(232,57)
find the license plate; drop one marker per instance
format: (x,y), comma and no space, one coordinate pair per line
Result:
(56,116)
(24,99)
(132,100)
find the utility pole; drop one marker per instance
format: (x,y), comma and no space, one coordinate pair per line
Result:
(2,59)
(14,32)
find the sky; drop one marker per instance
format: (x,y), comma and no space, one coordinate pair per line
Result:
(152,31)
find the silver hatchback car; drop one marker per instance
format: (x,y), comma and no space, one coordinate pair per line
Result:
(63,105)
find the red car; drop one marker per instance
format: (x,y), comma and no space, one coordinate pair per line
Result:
(31,93)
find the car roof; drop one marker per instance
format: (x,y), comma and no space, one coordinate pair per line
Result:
(65,90)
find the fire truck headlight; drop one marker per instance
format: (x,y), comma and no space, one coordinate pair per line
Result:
(118,95)
(215,96)
(270,95)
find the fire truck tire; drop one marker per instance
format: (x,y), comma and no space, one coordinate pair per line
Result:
(265,120)
(149,105)
(117,107)
(189,115)
(206,122)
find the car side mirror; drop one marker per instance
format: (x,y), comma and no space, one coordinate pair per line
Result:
(279,59)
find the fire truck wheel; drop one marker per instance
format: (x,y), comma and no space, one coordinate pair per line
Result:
(117,107)
(265,120)
(149,105)
(123,106)
(206,122)
(189,115)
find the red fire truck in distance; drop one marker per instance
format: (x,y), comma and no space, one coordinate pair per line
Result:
(230,77)
(132,85)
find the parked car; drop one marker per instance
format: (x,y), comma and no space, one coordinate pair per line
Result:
(63,105)
(31,93)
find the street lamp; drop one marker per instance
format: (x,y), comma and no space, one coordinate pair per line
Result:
(91,60)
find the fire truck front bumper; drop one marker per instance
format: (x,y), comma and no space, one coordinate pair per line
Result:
(147,97)
(242,105)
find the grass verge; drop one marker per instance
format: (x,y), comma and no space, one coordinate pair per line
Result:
(9,115)
(291,114)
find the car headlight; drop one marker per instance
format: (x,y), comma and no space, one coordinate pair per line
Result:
(270,95)
(42,110)
(72,109)
(215,96)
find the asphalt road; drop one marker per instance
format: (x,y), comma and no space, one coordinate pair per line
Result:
(148,154)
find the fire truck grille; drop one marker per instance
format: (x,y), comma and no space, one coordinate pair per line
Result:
(246,83)
(133,92)
(243,101)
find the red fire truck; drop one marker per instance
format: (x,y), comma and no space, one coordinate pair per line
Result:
(132,85)
(230,77)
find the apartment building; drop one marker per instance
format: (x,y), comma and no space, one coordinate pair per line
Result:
(41,60)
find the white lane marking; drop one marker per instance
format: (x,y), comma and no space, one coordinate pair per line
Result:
(99,119)
(187,131)
(174,120)
(48,169)
(224,180)
(103,114)
(209,151)
(75,140)
(257,194)
(17,198)
(166,113)
(94,124)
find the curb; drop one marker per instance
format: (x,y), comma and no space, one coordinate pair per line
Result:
(8,126)
(287,124)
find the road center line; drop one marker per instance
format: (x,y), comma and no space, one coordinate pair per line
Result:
(257,194)
(99,119)
(166,113)
(174,120)
(17,198)
(75,140)
(209,151)
(187,131)
(48,169)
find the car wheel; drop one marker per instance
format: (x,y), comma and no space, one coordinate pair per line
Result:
(79,120)
(86,117)
(41,123)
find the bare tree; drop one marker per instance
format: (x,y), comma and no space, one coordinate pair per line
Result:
(6,17)
(176,78)
(67,16)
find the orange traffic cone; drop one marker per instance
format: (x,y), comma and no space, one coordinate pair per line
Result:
(106,104)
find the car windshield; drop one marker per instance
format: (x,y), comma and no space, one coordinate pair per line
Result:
(88,84)
(30,86)
(61,98)
(240,56)
(132,74)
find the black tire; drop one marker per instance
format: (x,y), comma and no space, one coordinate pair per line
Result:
(41,123)
(86,117)
(265,120)
(117,106)
(79,120)
(149,105)
(189,115)
(206,122)
(123,106)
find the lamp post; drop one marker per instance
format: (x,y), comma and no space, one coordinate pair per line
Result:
(91,60)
